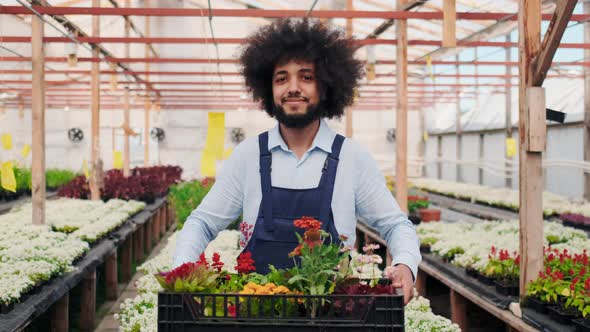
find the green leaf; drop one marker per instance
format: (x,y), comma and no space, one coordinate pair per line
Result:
(296,278)
(565,292)
(178,286)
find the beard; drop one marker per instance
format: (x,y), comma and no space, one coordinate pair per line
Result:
(296,121)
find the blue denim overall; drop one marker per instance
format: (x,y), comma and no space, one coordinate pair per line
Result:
(274,237)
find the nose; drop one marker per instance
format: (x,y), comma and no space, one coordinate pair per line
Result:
(294,87)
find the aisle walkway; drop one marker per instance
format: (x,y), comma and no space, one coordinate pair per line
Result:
(108,322)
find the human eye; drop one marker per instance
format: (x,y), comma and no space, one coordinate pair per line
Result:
(307,77)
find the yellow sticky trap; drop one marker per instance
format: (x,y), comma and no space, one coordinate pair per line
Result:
(425,136)
(85,169)
(510,147)
(227,153)
(25,151)
(7,141)
(8,179)
(215,134)
(117,160)
(207,164)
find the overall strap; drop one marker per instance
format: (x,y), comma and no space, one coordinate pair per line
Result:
(265,169)
(328,178)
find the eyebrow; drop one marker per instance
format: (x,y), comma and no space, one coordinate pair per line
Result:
(303,70)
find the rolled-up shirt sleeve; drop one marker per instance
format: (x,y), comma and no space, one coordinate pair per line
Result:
(220,207)
(377,207)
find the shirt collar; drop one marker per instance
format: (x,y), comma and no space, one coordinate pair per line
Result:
(323,138)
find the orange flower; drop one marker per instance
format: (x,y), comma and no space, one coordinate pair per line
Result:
(307,223)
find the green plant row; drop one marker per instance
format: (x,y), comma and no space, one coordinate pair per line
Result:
(54,178)
(186,196)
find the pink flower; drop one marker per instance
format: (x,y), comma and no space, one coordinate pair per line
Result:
(370,246)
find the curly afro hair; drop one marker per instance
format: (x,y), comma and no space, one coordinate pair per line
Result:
(285,40)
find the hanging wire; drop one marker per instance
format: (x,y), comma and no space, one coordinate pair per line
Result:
(311,8)
(215,43)
(69,36)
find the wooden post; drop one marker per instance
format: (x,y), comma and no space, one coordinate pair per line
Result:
(421,283)
(349,33)
(126,259)
(138,240)
(147,106)
(126,126)
(96,169)
(401,132)
(148,232)
(587,103)
(530,170)
(508,108)
(38,122)
(458,128)
(439,156)
(163,221)
(449,22)
(111,276)
(88,302)
(459,310)
(481,157)
(60,319)
(156,225)
(167,215)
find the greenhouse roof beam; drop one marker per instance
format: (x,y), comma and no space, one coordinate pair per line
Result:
(191,12)
(187,40)
(551,40)
(39,5)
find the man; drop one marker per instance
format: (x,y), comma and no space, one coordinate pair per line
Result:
(301,73)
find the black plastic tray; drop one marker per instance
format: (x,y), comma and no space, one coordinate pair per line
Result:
(196,312)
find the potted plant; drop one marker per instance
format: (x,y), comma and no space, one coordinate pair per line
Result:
(428,215)
(504,269)
(415,203)
(426,243)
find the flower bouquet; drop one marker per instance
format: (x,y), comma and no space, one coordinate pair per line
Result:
(317,292)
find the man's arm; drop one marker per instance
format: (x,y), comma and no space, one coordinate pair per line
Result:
(377,207)
(221,206)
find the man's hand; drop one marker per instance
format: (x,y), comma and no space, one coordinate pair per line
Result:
(401,277)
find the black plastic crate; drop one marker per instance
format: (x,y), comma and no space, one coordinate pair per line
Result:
(183,312)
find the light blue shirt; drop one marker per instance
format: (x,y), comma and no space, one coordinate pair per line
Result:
(360,192)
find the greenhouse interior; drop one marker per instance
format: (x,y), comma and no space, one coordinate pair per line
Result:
(310,165)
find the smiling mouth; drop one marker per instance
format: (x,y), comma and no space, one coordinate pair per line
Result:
(294,101)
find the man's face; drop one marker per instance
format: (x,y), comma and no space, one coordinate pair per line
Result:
(295,94)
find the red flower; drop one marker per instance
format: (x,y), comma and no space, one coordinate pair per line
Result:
(517,260)
(217,263)
(307,223)
(231,310)
(245,263)
(493,250)
(203,260)
(342,237)
(296,251)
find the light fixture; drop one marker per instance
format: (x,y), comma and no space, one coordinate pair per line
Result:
(66,108)
(72,54)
